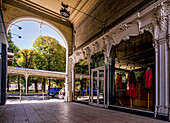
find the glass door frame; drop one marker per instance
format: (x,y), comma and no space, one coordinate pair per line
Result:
(91,89)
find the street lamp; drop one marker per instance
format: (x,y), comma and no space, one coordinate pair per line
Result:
(63,11)
(16,35)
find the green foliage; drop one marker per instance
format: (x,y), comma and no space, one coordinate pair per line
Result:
(26,58)
(11,44)
(13,47)
(49,54)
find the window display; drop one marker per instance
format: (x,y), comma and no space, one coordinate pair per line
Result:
(132,73)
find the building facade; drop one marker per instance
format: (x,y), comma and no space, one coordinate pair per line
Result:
(122,46)
(132,57)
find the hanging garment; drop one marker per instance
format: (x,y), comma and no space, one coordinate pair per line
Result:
(131,91)
(148,78)
(119,80)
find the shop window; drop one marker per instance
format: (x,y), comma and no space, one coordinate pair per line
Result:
(81,83)
(132,73)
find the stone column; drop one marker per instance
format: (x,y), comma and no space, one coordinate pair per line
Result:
(161,28)
(89,61)
(26,84)
(162,80)
(70,90)
(107,48)
(156,76)
(166,77)
(73,78)
(169,67)
(161,107)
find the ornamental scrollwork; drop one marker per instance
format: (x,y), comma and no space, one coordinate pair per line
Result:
(87,52)
(123,27)
(148,27)
(114,39)
(95,47)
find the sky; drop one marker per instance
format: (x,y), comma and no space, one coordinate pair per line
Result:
(30,32)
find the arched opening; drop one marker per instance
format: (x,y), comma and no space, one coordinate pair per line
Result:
(61,36)
(132,73)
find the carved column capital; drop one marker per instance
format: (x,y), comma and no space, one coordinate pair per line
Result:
(95,47)
(156,45)
(87,52)
(107,47)
(161,16)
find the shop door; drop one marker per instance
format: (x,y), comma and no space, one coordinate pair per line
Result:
(98,86)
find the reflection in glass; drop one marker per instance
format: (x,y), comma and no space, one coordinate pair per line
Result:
(94,87)
(101,86)
(82,89)
(81,84)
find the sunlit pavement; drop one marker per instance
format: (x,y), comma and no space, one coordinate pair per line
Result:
(31,99)
(61,112)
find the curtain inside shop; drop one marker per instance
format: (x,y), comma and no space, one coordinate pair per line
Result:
(81,81)
(133,73)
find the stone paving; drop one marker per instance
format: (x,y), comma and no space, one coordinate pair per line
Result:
(60,112)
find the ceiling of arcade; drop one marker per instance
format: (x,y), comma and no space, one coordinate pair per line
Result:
(52,7)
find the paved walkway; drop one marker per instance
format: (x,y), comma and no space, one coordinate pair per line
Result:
(60,112)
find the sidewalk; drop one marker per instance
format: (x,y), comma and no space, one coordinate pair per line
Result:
(60,112)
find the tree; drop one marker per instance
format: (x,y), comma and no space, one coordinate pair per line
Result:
(13,47)
(26,58)
(49,54)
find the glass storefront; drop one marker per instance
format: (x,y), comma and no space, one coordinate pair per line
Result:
(98,90)
(81,85)
(132,73)
(82,88)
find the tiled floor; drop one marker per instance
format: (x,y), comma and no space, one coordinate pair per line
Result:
(57,112)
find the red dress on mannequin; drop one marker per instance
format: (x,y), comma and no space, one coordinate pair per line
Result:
(148,78)
(131,91)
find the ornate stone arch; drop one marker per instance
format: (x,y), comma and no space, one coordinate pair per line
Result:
(31,18)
